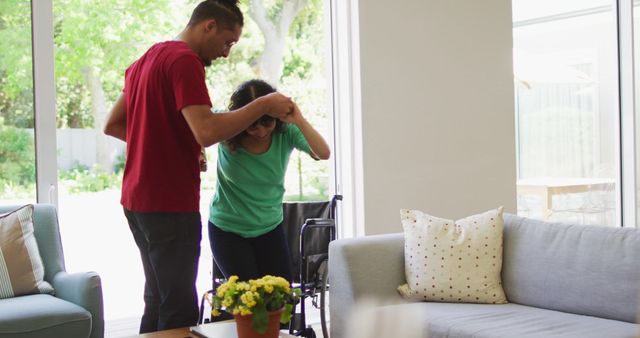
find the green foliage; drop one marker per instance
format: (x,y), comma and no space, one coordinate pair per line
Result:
(17,157)
(91,37)
(74,105)
(119,165)
(296,65)
(102,38)
(83,179)
(17,111)
(15,41)
(306,34)
(16,94)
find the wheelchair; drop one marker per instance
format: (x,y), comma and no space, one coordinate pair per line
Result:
(308,227)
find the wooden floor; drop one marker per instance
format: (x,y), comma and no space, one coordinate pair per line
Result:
(128,327)
(124,327)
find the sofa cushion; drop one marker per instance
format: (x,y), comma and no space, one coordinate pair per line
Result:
(453,261)
(21,269)
(452,320)
(43,315)
(588,270)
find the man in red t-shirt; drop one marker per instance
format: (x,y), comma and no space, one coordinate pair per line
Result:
(165,117)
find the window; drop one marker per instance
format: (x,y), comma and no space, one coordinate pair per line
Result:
(566,85)
(17,141)
(91,54)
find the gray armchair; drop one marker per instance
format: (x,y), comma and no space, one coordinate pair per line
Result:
(75,310)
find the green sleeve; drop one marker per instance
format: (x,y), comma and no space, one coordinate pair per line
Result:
(297,139)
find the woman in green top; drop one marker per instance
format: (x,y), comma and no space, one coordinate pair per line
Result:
(245,219)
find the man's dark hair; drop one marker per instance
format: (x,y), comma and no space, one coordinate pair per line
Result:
(225,12)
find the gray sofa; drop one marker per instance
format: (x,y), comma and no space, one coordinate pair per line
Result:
(75,310)
(561,280)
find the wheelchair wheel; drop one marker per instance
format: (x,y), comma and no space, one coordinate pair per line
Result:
(309,333)
(323,296)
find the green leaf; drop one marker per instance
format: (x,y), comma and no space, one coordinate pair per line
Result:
(260,318)
(286,314)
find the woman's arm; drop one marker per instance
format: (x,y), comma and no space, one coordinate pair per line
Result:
(319,147)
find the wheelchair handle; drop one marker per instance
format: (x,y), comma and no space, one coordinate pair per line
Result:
(317,223)
(332,206)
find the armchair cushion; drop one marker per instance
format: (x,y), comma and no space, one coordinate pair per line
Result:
(21,268)
(43,315)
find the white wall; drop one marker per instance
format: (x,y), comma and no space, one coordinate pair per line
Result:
(437,108)
(78,146)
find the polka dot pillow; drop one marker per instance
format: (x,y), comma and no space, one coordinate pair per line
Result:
(453,261)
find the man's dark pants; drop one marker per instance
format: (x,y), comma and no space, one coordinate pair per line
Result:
(169,245)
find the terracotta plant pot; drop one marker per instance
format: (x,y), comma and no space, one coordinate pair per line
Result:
(245,330)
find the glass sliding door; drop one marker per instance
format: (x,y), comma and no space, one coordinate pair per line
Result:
(17,146)
(91,55)
(566,84)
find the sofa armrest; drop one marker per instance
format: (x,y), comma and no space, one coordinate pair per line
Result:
(83,289)
(361,268)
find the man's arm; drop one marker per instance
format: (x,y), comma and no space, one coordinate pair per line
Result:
(209,128)
(116,124)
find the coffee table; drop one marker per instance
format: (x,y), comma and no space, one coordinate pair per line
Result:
(224,329)
(547,187)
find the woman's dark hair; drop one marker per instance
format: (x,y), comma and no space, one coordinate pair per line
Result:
(225,12)
(246,93)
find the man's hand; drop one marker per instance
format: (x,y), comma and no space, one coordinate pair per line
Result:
(202,158)
(278,105)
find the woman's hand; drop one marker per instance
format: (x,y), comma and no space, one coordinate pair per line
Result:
(319,147)
(295,117)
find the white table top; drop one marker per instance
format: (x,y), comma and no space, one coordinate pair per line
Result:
(226,329)
(563,181)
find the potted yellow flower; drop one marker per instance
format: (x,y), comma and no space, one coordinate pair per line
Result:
(263,302)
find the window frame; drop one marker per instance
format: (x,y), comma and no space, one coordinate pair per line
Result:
(44,101)
(627,121)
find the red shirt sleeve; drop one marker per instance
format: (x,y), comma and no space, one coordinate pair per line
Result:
(189,87)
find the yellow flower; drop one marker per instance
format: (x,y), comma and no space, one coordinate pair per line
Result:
(244,311)
(243,286)
(229,285)
(215,312)
(248,299)
(222,289)
(253,296)
(227,302)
